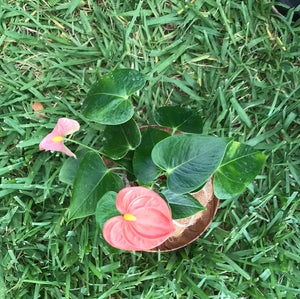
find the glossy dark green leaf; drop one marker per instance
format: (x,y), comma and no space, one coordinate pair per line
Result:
(106,208)
(120,139)
(144,168)
(178,118)
(69,168)
(126,162)
(108,100)
(182,205)
(91,182)
(189,160)
(240,166)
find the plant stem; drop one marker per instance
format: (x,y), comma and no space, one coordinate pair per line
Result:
(83,145)
(94,150)
(117,168)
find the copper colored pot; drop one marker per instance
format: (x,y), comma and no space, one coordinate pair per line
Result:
(189,229)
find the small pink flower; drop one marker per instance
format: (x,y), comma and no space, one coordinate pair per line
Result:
(54,140)
(146,220)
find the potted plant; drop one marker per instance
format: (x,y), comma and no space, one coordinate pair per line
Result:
(153,187)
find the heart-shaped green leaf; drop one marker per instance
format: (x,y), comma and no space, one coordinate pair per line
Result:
(69,168)
(144,168)
(108,100)
(240,166)
(182,205)
(91,182)
(120,139)
(126,162)
(178,118)
(189,160)
(106,208)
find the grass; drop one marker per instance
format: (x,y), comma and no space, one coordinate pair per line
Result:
(236,61)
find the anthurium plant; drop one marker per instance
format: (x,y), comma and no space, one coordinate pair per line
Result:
(141,178)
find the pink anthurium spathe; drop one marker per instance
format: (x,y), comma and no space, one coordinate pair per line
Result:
(146,220)
(54,140)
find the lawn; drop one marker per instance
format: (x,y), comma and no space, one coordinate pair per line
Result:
(236,61)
